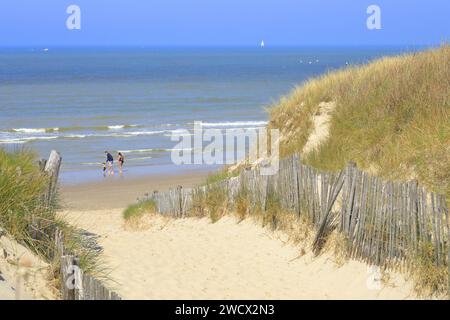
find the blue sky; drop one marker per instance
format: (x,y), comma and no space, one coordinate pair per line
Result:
(223,22)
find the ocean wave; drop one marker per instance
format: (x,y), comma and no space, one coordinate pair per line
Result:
(12,142)
(121,126)
(110,135)
(139,158)
(75,136)
(26,139)
(34,130)
(91,163)
(20,138)
(143,150)
(98,128)
(23,135)
(73,128)
(154,150)
(234,124)
(145,133)
(178,134)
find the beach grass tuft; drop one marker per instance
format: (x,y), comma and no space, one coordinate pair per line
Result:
(221,175)
(28,221)
(135,215)
(21,188)
(242,203)
(429,277)
(210,202)
(216,202)
(139,209)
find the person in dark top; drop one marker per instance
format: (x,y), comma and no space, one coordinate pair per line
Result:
(121,160)
(110,162)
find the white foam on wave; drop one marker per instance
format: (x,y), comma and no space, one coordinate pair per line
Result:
(39,138)
(178,149)
(143,133)
(122,126)
(139,158)
(112,135)
(27,130)
(139,150)
(116,127)
(12,141)
(91,163)
(75,136)
(234,124)
(178,134)
(154,150)
(26,139)
(34,130)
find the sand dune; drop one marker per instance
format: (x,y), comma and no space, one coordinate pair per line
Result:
(23,275)
(194,259)
(321,129)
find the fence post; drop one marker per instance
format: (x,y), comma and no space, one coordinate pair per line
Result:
(59,244)
(78,278)
(68,282)
(180,201)
(52,167)
(445,209)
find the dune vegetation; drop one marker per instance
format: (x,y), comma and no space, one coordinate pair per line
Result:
(391,117)
(21,189)
(135,215)
(26,219)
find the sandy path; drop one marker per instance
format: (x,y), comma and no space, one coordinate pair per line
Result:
(194,259)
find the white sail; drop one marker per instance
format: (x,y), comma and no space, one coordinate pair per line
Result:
(262,44)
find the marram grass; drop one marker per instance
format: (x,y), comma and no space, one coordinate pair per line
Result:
(392,117)
(22,186)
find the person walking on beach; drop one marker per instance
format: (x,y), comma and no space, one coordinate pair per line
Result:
(110,163)
(121,160)
(104,168)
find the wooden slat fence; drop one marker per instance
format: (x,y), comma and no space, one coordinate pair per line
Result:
(385,223)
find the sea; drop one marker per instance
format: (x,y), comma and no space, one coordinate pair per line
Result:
(84,101)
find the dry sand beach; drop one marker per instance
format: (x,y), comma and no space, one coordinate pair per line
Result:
(23,275)
(195,259)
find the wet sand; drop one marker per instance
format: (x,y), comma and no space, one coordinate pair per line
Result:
(119,192)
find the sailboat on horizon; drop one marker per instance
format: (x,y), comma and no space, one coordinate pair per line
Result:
(262,44)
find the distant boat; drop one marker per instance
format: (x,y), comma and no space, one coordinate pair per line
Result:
(262,44)
(45,49)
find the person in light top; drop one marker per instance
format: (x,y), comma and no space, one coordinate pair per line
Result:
(121,160)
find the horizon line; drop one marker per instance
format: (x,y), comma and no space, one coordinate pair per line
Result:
(267,46)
